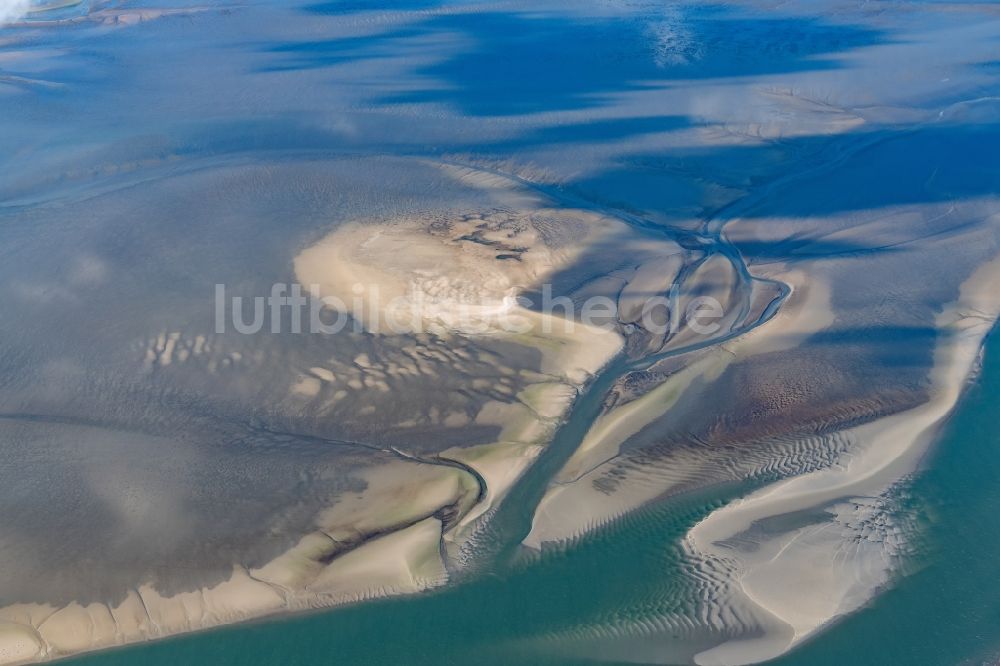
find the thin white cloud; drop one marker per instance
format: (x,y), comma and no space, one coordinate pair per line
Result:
(11,10)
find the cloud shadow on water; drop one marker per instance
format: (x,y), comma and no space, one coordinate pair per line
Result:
(498,63)
(885,167)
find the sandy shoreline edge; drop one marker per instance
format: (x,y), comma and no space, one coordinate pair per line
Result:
(789,581)
(365,546)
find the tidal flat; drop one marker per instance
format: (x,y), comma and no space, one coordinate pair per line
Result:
(519,332)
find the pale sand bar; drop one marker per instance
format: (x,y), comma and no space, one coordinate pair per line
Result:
(794,579)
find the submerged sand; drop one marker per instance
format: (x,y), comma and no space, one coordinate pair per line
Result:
(414,517)
(382,541)
(792,579)
(163,477)
(776,566)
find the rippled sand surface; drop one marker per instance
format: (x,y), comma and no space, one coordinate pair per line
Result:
(608,489)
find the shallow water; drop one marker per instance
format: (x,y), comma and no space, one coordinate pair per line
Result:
(152,150)
(946,610)
(945,613)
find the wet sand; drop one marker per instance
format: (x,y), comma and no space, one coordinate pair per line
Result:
(825,173)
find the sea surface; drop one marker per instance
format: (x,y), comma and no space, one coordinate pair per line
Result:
(124,128)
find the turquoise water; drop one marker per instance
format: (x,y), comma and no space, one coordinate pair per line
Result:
(946,612)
